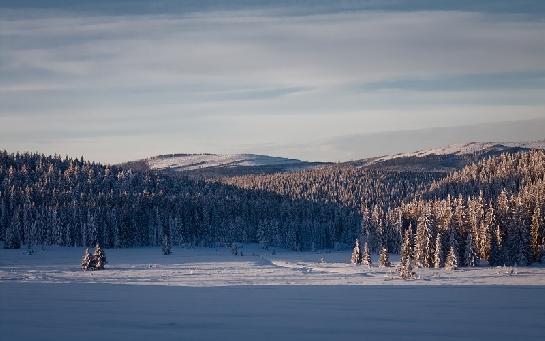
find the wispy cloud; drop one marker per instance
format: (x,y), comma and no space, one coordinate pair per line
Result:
(240,74)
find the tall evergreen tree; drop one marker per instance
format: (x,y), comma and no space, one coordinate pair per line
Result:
(366,257)
(438,255)
(537,235)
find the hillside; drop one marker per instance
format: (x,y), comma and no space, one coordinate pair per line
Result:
(213,165)
(445,159)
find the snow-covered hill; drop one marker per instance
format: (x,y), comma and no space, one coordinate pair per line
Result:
(223,164)
(445,159)
(468,148)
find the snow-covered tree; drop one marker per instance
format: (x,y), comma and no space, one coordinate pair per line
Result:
(100,257)
(438,254)
(356,254)
(166,246)
(384,258)
(366,257)
(470,254)
(452,260)
(537,235)
(86,260)
(406,270)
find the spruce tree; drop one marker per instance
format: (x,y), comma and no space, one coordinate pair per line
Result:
(86,260)
(12,233)
(438,255)
(356,254)
(406,267)
(536,234)
(366,257)
(452,260)
(384,258)
(166,246)
(470,254)
(100,257)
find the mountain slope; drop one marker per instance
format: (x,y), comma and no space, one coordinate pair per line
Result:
(447,158)
(222,164)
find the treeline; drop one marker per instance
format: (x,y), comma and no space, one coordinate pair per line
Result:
(489,211)
(50,200)
(496,216)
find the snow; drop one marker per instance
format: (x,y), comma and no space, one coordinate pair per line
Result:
(199,161)
(465,149)
(210,267)
(209,294)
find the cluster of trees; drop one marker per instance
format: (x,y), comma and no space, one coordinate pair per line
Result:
(96,261)
(50,200)
(492,210)
(497,216)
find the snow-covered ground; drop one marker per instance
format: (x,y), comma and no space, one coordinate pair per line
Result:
(209,294)
(206,267)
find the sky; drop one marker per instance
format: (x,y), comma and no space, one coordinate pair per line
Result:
(316,80)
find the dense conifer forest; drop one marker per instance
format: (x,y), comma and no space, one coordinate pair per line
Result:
(489,211)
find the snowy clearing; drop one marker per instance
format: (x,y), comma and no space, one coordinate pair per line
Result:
(205,267)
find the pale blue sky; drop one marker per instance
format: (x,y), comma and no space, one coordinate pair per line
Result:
(122,80)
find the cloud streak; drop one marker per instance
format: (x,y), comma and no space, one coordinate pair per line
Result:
(230,74)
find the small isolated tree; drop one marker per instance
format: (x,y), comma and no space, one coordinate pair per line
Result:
(406,270)
(166,246)
(452,260)
(470,254)
(366,258)
(356,253)
(234,249)
(100,257)
(438,255)
(384,258)
(86,260)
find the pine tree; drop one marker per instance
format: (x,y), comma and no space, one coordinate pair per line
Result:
(422,247)
(86,260)
(384,258)
(452,260)
(366,257)
(438,255)
(12,237)
(356,254)
(100,257)
(470,254)
(406,267)
(166,245)
(536,234)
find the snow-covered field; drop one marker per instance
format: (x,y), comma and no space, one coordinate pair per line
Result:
(209,294)
(205,267)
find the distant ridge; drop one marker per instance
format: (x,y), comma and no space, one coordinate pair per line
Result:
(222,164)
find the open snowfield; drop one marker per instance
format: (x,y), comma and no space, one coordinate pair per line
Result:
(205,267)
(209,294)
